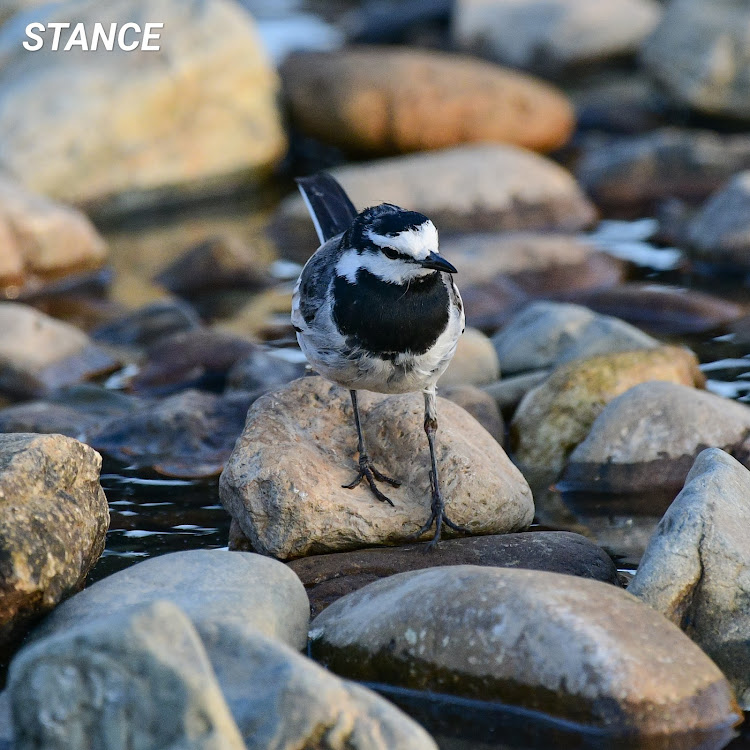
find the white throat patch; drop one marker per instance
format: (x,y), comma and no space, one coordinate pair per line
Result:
(392,271)
(418,243)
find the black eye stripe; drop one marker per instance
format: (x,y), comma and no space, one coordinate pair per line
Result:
(391,252)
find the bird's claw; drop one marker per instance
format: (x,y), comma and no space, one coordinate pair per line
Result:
(438,517)
(369,473)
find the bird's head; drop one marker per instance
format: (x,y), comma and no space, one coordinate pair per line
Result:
(393,244)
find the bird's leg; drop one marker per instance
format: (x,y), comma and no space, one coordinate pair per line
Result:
(366,469)
(437,515)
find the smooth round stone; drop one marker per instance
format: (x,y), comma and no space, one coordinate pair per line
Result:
(577,649)
(479,404)
(474,363)
(208,585)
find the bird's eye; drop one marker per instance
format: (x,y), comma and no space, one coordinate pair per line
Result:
(389,252)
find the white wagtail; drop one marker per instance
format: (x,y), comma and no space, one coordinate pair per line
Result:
(376,308)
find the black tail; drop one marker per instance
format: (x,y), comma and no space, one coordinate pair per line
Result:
(330,208)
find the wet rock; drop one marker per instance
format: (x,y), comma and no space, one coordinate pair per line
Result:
(136,679)
(112,137)
(44,418)
(263,370)
(189,435)
(474,363)
(720,231)
(695,570)
(53,520)
(557,415)
(149,324)
(550,36)
(662,309)
(695,54)
(479,404)
(280,699)
(329,577)
(547,334)
(471,188)
(638,171)
(39,353)
(200,358)
(574,648)
(288,509)
(210,586)
(42,238)
(646,440)
(385,100)
(509,392)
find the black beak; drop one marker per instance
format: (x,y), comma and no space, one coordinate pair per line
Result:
(438,263)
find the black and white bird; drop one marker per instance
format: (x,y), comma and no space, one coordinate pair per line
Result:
(376,308)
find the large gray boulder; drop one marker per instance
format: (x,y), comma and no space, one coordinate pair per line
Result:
(696,569)
(571,647)
(136,680)
(53,521)
(208,585)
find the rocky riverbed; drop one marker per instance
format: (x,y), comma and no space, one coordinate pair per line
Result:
(180,566)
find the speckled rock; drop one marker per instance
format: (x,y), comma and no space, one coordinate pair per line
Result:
(474,363)
(208,585)
(551,35)
(478,403)
(135,679)
(329,577)
(478,187)
(288,509)
(385,100)
(547,334)
(646,440)
(39,353)
(574,648)
(696,569)
(53,521)
(557,415)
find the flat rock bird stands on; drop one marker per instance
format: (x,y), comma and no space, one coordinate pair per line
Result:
(376,308)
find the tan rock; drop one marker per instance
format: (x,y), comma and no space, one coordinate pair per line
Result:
(114,129)
(474,363)
(283,481)
(472,188)
(556,416)
(384,100)
(479,404)
(696,569)
(53,520)
(571,647)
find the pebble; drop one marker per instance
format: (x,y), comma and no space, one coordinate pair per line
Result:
(470,188)
(283,482)
(479,404)
(386,100)
(697,565)
(574,648)
(53,521)
(474,363)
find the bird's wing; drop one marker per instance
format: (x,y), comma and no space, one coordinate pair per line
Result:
(330,208)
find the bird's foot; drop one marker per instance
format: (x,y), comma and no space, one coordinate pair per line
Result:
(368,472)
(438,517)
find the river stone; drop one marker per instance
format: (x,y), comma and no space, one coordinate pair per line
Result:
(548,36)
(39,353)
(474,363)
(696,569)
(45,418)
(208,585)
(283,482)
(547,334)
(385,100)
(283,700)
(138,679)
(119,130)
(509,392)
(477,402)
(574,648)
(720,231)
(473,188)
(557,415)
(647,439)
(53,521)
(697,53)
(262,370)
(329,577)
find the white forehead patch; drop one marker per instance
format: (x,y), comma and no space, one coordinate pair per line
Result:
(393,271)
(418,243)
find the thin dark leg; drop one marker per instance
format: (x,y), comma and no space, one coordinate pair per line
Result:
(437,515)
(366,469)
